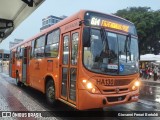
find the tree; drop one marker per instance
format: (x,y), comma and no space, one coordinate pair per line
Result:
(147,23)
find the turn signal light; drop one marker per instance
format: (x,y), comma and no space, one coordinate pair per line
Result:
(90,87)
(134,87)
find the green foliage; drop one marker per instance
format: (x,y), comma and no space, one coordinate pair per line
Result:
(147,23)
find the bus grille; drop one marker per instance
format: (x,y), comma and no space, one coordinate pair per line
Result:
(115,99)
(113,90)
(122,82)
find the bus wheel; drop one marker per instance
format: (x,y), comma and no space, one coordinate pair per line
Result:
(50,93)
(17,81)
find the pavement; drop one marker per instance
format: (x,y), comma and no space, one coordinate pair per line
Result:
(13,98)
(150,91)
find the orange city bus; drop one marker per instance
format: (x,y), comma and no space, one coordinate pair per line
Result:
(88,60)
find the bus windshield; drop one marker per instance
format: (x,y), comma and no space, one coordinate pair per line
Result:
(115,54)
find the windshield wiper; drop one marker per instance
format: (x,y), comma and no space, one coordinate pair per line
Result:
(127,46)
(105,39)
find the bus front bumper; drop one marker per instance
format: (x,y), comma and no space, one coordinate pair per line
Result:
(88,100)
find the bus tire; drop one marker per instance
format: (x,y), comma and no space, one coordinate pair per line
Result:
(18,83)
(50,93)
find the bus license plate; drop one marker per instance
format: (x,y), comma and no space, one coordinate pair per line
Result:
(105,82)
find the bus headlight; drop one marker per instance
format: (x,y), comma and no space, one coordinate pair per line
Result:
(136,85)
(90,87)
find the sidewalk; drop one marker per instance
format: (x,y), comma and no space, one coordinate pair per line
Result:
(14,100)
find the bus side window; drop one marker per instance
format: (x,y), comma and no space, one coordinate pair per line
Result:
(32,49)
(18,52)
(52,45)
(21,53)
(39,47)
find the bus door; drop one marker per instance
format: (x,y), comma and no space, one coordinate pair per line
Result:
(24,64)
(69,66)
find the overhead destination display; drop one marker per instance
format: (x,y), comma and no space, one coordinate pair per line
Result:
(109,24)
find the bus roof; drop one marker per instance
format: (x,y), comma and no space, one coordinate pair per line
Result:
(78,15)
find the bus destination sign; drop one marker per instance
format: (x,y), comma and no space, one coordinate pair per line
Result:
(109,24)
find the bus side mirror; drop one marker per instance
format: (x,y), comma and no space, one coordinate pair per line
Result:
(86,37)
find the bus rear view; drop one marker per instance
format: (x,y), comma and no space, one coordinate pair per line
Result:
(110,60)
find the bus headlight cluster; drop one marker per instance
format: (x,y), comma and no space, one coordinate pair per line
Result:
(90,87)
(136,85)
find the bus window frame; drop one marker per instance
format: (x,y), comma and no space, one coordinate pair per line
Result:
(57,29)
(18,52)
(21,53)
(35,44)
(32,49)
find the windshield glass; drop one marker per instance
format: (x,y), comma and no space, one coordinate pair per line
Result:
(111,53)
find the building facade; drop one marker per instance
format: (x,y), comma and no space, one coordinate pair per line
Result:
(51,20)
(16,41)
(4,55)
(4,61)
